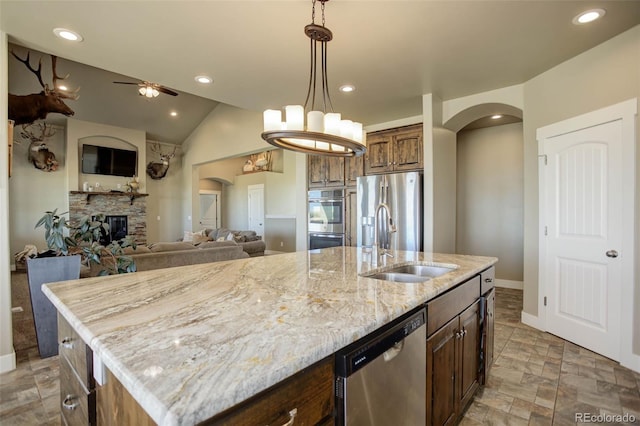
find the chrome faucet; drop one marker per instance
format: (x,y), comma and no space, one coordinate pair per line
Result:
(381,251)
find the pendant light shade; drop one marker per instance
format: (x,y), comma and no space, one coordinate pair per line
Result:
(317,131)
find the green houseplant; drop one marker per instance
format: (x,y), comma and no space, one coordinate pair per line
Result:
(69,245)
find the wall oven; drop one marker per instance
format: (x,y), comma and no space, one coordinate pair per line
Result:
(326,211)
(326,223)
(320,241)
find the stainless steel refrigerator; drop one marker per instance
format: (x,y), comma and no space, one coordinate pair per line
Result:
(402,192)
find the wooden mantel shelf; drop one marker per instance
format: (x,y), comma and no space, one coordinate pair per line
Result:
(132,195)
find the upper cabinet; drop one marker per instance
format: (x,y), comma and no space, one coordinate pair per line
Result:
(394,150)
(353,167)
(325,171)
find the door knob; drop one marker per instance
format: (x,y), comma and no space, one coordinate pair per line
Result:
(612,253)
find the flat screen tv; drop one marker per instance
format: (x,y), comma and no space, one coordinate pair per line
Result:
(102,160)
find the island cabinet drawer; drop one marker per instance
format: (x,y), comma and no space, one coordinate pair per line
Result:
(304,399)
(77,406)
(445,307)
(76,352)
(487,280)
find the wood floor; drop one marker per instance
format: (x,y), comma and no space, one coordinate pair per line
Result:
(536,379)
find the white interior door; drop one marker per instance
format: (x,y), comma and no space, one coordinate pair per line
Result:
(582,220)
(210,209)
(256,208)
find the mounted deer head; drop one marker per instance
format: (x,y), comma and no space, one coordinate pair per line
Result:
(39,153)
(29,108)
(158,170)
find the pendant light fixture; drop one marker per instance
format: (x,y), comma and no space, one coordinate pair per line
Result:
(325,132)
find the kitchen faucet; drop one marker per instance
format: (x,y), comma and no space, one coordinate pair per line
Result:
(381,251)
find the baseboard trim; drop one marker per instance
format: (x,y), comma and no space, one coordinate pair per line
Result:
(8,362)
(531,320)
(516,285)
(631,361)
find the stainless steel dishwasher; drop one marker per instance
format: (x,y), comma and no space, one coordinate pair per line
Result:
(381,379)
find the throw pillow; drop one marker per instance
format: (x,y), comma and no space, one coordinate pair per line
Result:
(221,239)
(230,237)
(188,237)
(198,238)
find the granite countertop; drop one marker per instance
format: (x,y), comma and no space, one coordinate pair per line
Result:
(192,341)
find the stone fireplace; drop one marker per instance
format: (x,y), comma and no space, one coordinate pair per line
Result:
(123,209)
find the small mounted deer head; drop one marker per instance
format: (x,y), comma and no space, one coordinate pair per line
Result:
(39,153)
(158,170)
(29,108)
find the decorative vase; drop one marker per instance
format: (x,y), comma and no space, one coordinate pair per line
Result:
(42,270)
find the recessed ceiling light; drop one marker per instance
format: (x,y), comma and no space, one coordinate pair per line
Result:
(496,116)
(347,88)
(588,16)
(173,113)
(67,34)
(204,79)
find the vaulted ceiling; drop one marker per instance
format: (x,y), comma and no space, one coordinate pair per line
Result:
(393,51)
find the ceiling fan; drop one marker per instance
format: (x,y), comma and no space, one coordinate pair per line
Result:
(149,89)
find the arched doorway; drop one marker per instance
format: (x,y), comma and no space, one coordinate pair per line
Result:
(490,186)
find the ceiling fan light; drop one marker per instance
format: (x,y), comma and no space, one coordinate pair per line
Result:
(142,91)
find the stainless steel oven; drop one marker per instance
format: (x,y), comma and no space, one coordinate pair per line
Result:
(320,240)
(326,211)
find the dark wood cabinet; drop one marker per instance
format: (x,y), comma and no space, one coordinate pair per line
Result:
(325,171)
(453,352)
(394,150)
(441,374)
(469,353)
(487,290)
(488,333)
(353,167)
(306,398)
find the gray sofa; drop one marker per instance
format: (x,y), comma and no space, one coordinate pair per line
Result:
(168,255)
(251,243)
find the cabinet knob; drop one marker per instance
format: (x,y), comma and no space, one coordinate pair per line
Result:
(70,402)
(488,280)
(67,343)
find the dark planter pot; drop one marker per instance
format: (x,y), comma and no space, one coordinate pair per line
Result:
(42,271)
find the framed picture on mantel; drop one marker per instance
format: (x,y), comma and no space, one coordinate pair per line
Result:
(10,139)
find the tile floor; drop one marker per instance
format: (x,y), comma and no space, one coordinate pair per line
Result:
(536,379)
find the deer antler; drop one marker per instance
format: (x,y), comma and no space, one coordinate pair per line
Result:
(173,153)
(63,94)
(45,132)
(27,63)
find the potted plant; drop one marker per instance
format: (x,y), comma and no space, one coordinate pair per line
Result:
(69,246)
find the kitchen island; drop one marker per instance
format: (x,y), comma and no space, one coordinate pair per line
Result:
(190,342)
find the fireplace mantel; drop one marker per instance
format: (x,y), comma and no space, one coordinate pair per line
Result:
(131,195)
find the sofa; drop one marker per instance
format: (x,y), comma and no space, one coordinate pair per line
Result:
(171,254)
(251,243)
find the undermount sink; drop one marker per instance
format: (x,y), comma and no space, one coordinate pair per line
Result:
(412,273)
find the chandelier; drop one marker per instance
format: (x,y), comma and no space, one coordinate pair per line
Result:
(325,133)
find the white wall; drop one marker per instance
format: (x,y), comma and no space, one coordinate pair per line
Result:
(602,76)
(230,132)
(7,354)
(490,197)
(33,191)
(164,211)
